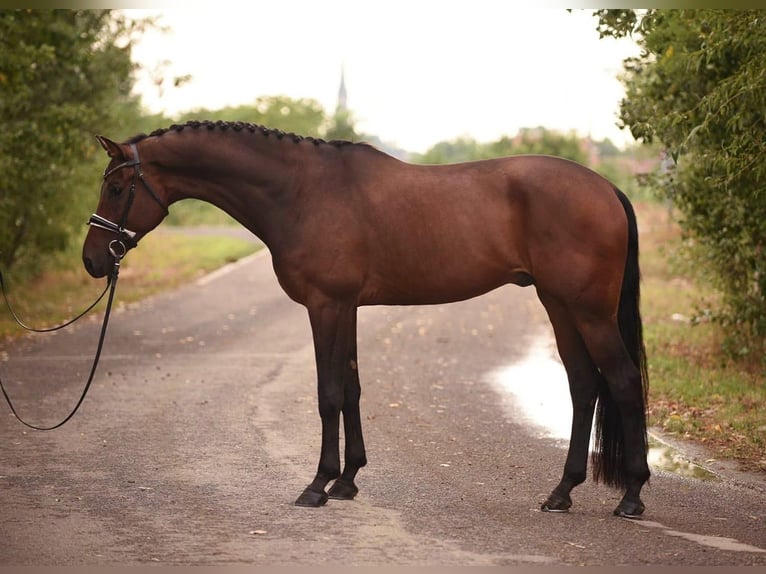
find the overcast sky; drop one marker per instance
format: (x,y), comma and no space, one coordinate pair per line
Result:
(417,72)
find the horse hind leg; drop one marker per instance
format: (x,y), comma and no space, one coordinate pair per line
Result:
(584,379)
(621,421)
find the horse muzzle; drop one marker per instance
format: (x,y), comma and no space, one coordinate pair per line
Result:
(100,261)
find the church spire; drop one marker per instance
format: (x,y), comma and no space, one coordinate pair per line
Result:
(342,96)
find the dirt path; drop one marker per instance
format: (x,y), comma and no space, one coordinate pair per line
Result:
(202,428)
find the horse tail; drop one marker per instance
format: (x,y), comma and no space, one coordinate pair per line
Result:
(610,443)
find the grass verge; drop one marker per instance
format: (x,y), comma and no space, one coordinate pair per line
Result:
(162,261)
(697,392)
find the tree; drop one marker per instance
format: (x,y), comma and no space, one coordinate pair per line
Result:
(342,127)
(303,116)
(64,75)
(528,141)
(699,88)
(460,149)
(541,141)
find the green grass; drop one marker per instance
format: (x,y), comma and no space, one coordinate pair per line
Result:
(697,391)
(162,261)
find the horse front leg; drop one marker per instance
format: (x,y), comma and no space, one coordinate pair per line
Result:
(333,326)
(355,457)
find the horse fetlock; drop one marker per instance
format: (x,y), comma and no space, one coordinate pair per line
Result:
(354,462)
(572,479)
(325,475)
(638,473)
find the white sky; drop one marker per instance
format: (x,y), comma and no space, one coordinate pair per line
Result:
(417,71)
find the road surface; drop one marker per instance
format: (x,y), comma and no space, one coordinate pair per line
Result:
(201,429)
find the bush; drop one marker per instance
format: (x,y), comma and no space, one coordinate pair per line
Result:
(699,88)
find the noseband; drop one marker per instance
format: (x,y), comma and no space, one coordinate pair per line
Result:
(126,239)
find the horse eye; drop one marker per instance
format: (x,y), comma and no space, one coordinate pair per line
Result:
(115,190)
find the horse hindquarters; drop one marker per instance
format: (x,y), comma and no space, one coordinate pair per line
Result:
(604,354)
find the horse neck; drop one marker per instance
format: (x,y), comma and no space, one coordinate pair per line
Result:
(249,176)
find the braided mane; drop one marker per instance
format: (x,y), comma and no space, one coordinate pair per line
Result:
(239,127)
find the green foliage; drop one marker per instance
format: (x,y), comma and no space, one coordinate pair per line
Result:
(527,141)
(342,127)
(457,150)
(699,89)
(303,116)
(63,74)
(542,141)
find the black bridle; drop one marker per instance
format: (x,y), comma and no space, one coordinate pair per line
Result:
(126,239)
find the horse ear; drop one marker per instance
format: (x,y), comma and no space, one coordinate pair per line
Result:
(113,149)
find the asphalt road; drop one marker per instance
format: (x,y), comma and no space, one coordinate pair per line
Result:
(201,429)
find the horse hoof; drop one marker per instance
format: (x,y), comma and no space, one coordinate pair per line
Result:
(343,490)
(312,499)
(557,503)
(629,509)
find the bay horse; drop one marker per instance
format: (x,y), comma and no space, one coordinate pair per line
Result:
(348,225)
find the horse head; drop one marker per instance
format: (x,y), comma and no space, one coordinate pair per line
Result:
(129,207)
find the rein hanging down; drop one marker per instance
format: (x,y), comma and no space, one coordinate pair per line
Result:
(117,248)
(111,285)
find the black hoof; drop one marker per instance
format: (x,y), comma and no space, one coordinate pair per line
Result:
(557,503)
(629,509)
(343,490)
(312,499)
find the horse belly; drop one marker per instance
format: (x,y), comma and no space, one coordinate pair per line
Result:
(441,276)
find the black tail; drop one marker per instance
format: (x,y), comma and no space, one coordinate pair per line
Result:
(610,444)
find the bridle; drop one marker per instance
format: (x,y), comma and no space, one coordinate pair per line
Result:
(126,239)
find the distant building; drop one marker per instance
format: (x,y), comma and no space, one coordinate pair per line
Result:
(342,105)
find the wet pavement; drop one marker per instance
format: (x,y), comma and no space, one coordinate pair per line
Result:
(538,385)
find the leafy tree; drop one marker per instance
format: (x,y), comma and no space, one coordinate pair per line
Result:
(527,141)
(457,150)
(699,89)
(304,116)
(342,127)
(64,75)
(540,141)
